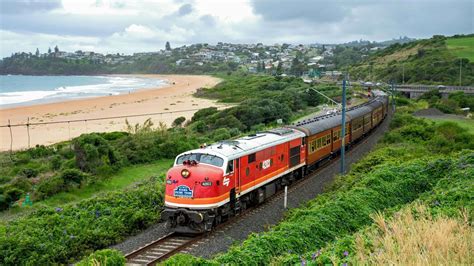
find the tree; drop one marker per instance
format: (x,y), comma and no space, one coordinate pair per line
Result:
(56,49)
(49,50)
(168,46)
(37,53)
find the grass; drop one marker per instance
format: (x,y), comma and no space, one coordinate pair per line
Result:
(462,47)
(126,177)
(417,239)
(464,123)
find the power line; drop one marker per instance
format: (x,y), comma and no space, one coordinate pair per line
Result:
(98,118)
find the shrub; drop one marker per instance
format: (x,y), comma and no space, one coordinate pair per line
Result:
(56,161)
(49,186)
(12,194)
(104,257)
(221,134)
(92,151)
(178,121)
(199,115)
(40,151)
(72,177)
(21,158)
(29,172)
(4,204)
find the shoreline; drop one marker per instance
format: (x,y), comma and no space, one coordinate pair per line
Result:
(171,98)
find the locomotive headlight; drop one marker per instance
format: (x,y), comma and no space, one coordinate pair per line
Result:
(185,173)
(169,181)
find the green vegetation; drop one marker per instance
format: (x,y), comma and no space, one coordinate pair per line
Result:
(429,61)
(90,159)
(464,123)
(451,105)
(417,160)
(64,234)
(462,47)
(75,172)
(105,257)
(124,178)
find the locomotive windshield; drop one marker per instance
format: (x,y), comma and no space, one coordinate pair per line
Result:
(202,158)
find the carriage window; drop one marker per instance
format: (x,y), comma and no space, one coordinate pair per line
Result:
(251,158)
(230,166)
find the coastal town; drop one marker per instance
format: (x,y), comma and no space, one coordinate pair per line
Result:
(314,60)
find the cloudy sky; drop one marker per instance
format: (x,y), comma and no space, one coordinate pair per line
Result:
(111,26)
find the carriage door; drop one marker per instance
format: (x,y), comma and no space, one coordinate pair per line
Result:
(237,175)
(294,156)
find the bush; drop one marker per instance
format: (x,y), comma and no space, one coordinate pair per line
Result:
(105,257)
(178,121)
(93,152)
(12,194)
(72,177)
(203,113)
(49,186)
(29,172)
(56,161)
(221,134)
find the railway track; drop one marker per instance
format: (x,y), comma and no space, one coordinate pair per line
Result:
(159,249)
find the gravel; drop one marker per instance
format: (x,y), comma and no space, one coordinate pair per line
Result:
(259,219)
(149,235)
(270,213)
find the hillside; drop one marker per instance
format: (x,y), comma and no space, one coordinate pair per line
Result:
(430,61)
(419,178)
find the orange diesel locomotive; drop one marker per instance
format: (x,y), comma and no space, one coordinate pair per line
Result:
(208,185)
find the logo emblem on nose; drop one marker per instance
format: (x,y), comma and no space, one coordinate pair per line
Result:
(226,181)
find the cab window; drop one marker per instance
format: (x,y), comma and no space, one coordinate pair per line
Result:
(201,158)
(230,166)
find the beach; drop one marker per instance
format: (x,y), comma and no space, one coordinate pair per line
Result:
(170,101)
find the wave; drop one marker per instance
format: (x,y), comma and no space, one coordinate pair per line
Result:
(111,86)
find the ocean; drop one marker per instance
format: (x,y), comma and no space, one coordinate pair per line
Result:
(19,90)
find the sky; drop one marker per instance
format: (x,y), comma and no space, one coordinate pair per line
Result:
(120,26)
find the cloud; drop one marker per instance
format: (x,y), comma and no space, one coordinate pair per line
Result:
(28,6)
(185,10)
(134,26)
(315,11)
(208,20)
(28,42)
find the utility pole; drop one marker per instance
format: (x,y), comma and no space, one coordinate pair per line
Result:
(393,97)
(343,124)
(403,73)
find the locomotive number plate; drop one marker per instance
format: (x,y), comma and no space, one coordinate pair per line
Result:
(183,192)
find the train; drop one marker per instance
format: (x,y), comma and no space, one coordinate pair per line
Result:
(209,185)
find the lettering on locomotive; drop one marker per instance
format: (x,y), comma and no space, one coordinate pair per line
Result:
(183,192)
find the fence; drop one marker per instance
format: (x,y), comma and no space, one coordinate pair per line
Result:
(59,135)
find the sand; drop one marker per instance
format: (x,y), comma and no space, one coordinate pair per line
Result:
(174,100)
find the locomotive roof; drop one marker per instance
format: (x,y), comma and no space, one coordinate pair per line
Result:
(232,149)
